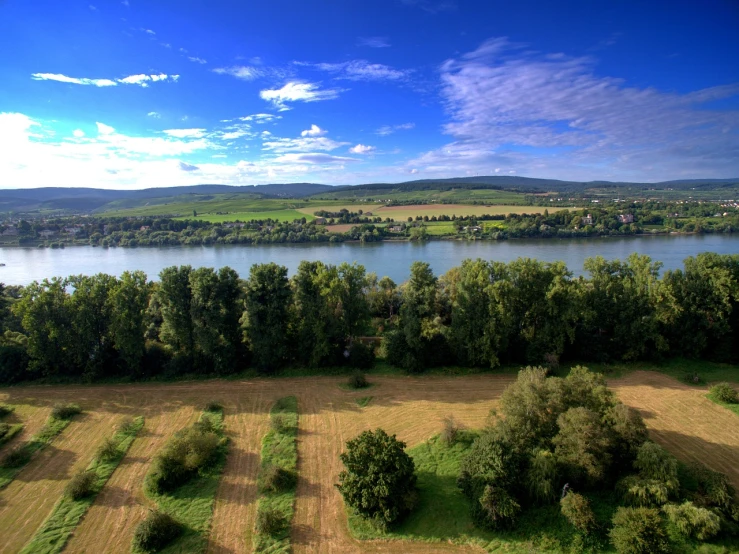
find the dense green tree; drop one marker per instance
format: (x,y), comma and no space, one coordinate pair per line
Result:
(266,320)
(128,303)
(175,299)
(379,481)
(639,531)
(583,445)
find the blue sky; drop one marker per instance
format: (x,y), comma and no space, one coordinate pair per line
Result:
(134,94)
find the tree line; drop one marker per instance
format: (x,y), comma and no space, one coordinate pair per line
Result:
(482,313)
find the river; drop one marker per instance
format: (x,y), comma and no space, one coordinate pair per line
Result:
(23,265)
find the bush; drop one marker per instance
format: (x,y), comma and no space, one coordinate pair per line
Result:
(213,407)
(277,479)
(5,410)
(639,531)
(357,380)
(499,506)
(65,411)
(379,481)
(81,485)
(692,521)
(270,521)
(17,457)
(205,424)
(725,393)
(280,423)
(713,489)
(583,445)
(542,478)
(155,532)
(451,429)
(108,450)
(184,455)
(638,491)
(654,463)
(576,509)
(127,426)
(4,428)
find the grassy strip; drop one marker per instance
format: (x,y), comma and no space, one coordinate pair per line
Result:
(13,430)
(733,407)
(24,452)
(279,448)
(192,503)
(55,532)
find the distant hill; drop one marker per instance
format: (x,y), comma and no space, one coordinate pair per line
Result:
(89,199)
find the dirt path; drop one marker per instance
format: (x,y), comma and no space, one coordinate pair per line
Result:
(678,416)
(28,500)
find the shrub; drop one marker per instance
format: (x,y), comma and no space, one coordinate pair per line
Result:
(713,488)
(108,450)
(4,428)
(542,477)
(280,423)
(379,480)
(639,531)
(17,457)
(654,463)
(205,424)
(725,393)
(499,506)
(629,432)
(583,445)
(127,426)
(277,479)
(692,521)
(65,411)
(576,509)
(451,429)
(81,485)
(155,532)
(5,410)
(357,380)
(643,492)
(184,455)
(270,521)
(213,407)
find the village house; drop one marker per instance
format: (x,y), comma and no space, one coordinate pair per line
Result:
(72,230)
(144,228)
(587,220)
(46,233)
(320,221)
(10,231)
(626,218)
(396,229)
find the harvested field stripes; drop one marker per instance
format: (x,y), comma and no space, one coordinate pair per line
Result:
(6,434)
(55,532)
(191,504)
(28,501)
(277,478)
(678,416)
(14,461)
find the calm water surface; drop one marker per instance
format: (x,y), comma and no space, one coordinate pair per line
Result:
(23,265)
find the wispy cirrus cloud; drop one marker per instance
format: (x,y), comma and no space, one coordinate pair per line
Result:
(432,6)
(253,72)
(553,115)
(261,117)
(196,59)
(374,42)
(301,144)
(314,158)
(141,80)
(296,91)
(386,130)
(359,70)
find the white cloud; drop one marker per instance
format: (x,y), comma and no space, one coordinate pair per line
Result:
(141,79)
(125,3)
(374,42)
(260,117)
(359,70)
(554,116)
(195,59)
(362,149)
(243,72)
(188,167)
(314,158)
(92,8)
(104,129)
(149,32)
(295,91)
(185,133)
(390,129)
(314,131)
(79,133)
(305,144)
(155,115)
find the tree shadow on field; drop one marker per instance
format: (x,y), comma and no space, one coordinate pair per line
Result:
(130,460)
(50,464)
(687,447)
(310,489)
(115,497)
(218,548)
(304,535)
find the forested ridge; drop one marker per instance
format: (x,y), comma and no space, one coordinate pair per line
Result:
(482,313)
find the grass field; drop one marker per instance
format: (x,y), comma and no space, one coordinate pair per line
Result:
(679,416)
(279,215)
(402,213)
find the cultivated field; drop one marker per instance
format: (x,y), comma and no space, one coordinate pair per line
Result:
(679,417)
(402,213)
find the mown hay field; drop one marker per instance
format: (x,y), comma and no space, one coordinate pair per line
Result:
(679,417)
